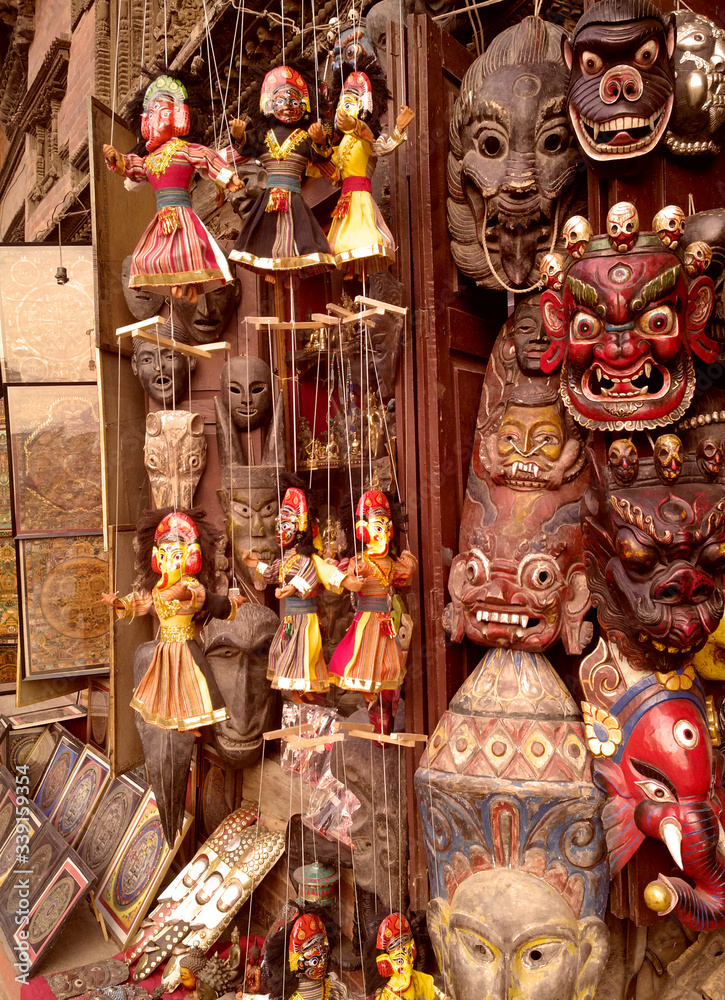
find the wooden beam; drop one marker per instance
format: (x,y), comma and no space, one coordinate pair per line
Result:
(173,345)
(322,319)
(260,321)
(278,734)
(125,331)
(364,300)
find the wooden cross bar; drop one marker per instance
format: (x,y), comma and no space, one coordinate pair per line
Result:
(364,300)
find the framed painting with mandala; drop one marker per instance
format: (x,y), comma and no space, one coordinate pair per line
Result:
(47,329)
(64,758)
(142,858)
(81,795)
(65,626)
(55,449)
(113,816)
(67,883)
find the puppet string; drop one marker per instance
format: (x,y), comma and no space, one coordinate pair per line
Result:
(393,463)
(347,434)
(256,843)
(387,814)
(115,70)
(118,468)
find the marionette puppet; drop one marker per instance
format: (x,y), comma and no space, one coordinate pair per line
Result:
(370,659)
(176,253)
(297,958)
(175,691)
(280,233)
(359,237)
(296,659)
(389,954)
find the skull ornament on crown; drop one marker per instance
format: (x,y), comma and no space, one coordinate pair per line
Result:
(621,88)
(631,314)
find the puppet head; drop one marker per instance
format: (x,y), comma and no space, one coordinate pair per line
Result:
(292,517)
(396,951)
(625,326)
(654,551)
(696,126)
(357,96)
(309,948)
(174,456)
(165,112)
(176,552)
(373,524)
(284,95)
(512,156)
(247,391)
(621,88)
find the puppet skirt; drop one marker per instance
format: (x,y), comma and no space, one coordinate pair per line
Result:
(177,249)
(359,235)
(369,658)
(174,692)
(296,660)
(286,240)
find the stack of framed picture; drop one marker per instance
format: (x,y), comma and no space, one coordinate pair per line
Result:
(41,877)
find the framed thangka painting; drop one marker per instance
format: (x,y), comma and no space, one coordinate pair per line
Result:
(80,796)
(65,887)
(65,625)
(141,860)
(57,773)
(55,443)
(47,329)
(111,819)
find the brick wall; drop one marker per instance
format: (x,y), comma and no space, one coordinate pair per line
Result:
(52,19)
(73,117)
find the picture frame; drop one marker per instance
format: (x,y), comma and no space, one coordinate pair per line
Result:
(99,706)
(64,636)
(67,885)
(80,796)
(19,745)
(39,757)
(55,450)
(66,753)
(142,858)
(44,716)
(115,811)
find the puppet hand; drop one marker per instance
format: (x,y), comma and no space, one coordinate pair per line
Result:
(112,157)
(248,559)
(235,183)
(354,583)
(288,591)
(238,128)
(238,600)
(112,601)
(404,119)
(344,121)
(317,134)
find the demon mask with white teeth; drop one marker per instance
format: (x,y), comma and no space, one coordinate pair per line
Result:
(625,326)
(655,556)
(621,88)
(698,117)
(512,161)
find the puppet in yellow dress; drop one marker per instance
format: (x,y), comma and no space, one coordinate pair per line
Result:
(359,239)
(388,958)
(296,661)
(176,691)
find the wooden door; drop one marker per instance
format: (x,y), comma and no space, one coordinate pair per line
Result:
(452,329)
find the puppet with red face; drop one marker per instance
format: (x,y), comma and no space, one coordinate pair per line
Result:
(624,328)
(176,252)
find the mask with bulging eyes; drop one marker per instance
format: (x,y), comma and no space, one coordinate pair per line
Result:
(512,163)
